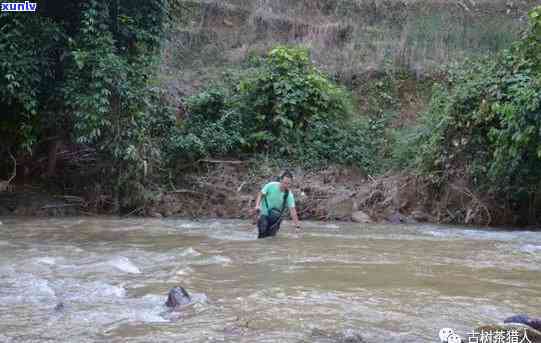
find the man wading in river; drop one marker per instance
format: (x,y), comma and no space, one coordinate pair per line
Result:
(271,204)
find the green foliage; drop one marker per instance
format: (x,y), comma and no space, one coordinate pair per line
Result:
(27,75)
(82,70)
(105,89)
(287,92)
(403,145)
(381,95)
(531,43)
(275,97)
(357,142)
(281,105)
(487,120)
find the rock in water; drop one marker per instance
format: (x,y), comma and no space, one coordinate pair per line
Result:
(59,307)
(526,320)
(398,218)
(421,216)
(361,217)
(177,296)
(535,323)
(155,215)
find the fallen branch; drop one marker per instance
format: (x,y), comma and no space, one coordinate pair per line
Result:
(240,187)
(71,198)
(371,199)
(476,200)
(132,212)
(218,189)
(221,161)
(186,191)
(45,207)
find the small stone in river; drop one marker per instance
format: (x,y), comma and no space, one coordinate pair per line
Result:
(177,296)
(526,320)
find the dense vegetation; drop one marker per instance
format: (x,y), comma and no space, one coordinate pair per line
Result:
(484,124)
(80,72)
(283,106)
(83,74)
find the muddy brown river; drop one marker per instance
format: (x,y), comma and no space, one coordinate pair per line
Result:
(387,283)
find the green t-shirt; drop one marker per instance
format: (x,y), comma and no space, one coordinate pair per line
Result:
(275,197)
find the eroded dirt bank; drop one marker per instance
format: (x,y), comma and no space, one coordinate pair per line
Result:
(227,189)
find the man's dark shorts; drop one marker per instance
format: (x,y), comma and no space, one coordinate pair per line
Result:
(267,228)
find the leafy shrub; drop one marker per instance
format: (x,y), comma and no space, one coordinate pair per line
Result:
(282,105)
(81,71)
(487,120)
(27,76)
(403,146)
(357,142)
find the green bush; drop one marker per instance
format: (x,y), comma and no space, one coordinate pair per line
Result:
(357,142)
(80,71)
(486,121)
(403,146)
(27,81)
(281,105)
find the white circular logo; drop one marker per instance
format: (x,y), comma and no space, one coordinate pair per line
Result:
(454,338)
(445,333)
(448,335)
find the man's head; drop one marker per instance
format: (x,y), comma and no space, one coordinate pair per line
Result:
(285,180)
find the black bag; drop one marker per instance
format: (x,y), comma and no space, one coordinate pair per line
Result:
(274,214)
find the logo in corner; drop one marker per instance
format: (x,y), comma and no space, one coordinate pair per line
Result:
(26,6)
(448,335)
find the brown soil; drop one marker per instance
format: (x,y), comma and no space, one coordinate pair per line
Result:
(227,189)
(334,193)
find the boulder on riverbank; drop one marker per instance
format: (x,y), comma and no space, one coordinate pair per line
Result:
(534,323)
(361,217)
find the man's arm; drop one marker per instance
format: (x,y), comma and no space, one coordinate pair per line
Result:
(260,195)
(258,201)
(295,217)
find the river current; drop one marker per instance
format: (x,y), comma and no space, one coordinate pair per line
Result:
(386,283)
